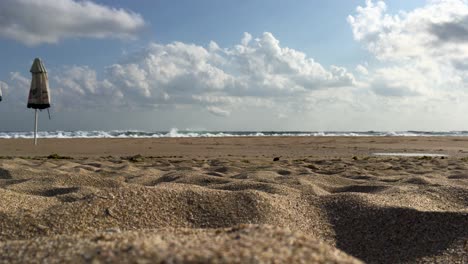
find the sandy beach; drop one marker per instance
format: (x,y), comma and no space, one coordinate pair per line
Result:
(228,200)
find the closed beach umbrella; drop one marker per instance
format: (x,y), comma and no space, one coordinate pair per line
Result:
(39,96)
(1,94)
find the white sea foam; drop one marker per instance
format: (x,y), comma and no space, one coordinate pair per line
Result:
(175,133)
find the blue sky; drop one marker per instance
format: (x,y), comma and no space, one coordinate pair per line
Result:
(306,65)
(318,28)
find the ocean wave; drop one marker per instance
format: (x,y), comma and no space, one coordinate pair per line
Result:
(175,133)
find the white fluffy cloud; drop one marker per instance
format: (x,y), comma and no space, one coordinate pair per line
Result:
(435,30)
(255,73)
(79,86)
(180,73)
(424,50)
(361,69)
(48,21)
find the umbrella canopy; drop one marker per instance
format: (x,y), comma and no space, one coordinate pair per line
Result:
(39,96)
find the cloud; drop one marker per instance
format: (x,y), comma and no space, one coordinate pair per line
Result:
(218,111)
(255,73)
(15,91)
(362,69)
(422,51)
(452,31)
(79,87)
(429,31)
(49,21)
(252,72)
(3,86)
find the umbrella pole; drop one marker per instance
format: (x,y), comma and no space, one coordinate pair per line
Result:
(35,127)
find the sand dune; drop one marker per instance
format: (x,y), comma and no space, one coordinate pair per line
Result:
(234,209)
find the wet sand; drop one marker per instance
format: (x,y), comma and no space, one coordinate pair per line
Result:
(251,147)
(224,200)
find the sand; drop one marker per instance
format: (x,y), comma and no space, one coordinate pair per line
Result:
(224,200)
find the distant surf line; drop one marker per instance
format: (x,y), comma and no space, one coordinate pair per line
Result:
(175,133)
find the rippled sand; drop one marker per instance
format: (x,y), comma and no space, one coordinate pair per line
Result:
(234,208)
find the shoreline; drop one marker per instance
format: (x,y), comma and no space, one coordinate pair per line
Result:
(251,147)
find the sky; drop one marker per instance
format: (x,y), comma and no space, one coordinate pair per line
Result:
(336,65)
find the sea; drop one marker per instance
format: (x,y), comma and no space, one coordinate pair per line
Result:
(176,133)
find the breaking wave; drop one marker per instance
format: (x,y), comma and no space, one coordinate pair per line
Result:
(175,133)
